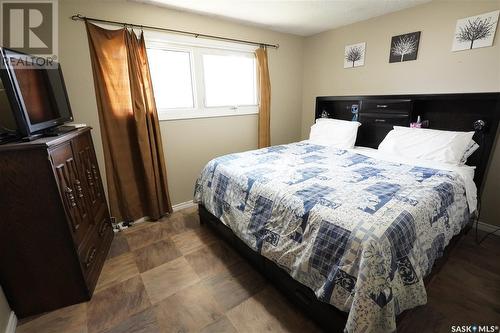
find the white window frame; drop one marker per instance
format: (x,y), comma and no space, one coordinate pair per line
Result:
(197,48)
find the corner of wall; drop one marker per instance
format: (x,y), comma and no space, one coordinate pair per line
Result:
(8,320)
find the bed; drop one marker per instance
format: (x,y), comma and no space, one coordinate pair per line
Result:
(349,234)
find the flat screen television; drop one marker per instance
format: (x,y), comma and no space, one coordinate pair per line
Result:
(37,95)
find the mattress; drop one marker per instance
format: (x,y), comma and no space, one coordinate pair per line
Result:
(360,230)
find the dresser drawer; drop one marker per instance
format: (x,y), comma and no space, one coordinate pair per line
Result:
(376,125)
(104,235)
(94,252)
(89,250)
(104,227)
(384,118)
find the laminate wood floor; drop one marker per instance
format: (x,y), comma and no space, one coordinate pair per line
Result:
(177,276)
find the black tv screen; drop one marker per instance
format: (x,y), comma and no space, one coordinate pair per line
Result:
(37,94)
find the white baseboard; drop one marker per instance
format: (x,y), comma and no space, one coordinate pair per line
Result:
(175,208)
(487,227)
(12,324)
(183,205)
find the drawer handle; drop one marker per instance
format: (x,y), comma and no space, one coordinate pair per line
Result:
(382,106)
(380,120)
(90,178)
(70,196)
(91,257)
(103,228)
(94,171)
(78,187)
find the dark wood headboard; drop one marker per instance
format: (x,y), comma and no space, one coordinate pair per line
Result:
(453,112)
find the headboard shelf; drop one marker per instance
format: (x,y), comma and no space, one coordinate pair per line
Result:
(453,112)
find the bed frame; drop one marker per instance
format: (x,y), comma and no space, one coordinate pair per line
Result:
(460,112)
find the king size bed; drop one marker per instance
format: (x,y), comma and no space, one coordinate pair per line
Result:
(352,235)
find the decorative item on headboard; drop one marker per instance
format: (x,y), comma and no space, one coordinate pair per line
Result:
(355,112)
(479,127)
(454,112)
(420,123)
(417,124)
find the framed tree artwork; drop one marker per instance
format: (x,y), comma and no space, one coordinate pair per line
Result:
(475,31)
(404,47)
(354,55)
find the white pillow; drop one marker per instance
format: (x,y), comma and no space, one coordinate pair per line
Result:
(427,144)
(334,133)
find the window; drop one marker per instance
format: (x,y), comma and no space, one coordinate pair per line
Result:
(229,80)
(172,79)
(199,81)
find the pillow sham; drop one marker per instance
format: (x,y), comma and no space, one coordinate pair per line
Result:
(427,144)
(334,133)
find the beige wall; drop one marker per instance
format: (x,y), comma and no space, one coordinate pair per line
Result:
(436,70)
(4,312)
(189,144)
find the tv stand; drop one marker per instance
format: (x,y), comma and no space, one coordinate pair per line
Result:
(59,130)
(55,227)
(55,131)
(32,137)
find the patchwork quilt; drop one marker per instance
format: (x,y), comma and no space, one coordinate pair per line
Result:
(361,233)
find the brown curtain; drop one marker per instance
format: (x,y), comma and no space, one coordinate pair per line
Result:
(133,152)
(265,98)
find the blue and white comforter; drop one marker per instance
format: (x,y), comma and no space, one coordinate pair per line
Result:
(360,232)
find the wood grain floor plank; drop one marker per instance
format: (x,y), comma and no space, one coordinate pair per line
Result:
(116,270)
(193,240)
(180,223)
(142,322)
(69,319)
(212,259)
(232,287)
(168,279)
(188,310)
(155,254)
(147,233)
(267,311)
(118,246)
(222,325)
(115,304)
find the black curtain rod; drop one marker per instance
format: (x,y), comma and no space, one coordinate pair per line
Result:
(79,17)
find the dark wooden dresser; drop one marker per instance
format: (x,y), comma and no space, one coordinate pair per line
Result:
(55,229)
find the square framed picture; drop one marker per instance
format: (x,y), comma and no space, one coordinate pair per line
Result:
(475,31)
(354,55)
(404,47)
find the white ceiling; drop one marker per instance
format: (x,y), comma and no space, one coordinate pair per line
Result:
(299,17)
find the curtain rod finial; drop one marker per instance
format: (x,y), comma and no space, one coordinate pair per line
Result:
(77,17)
